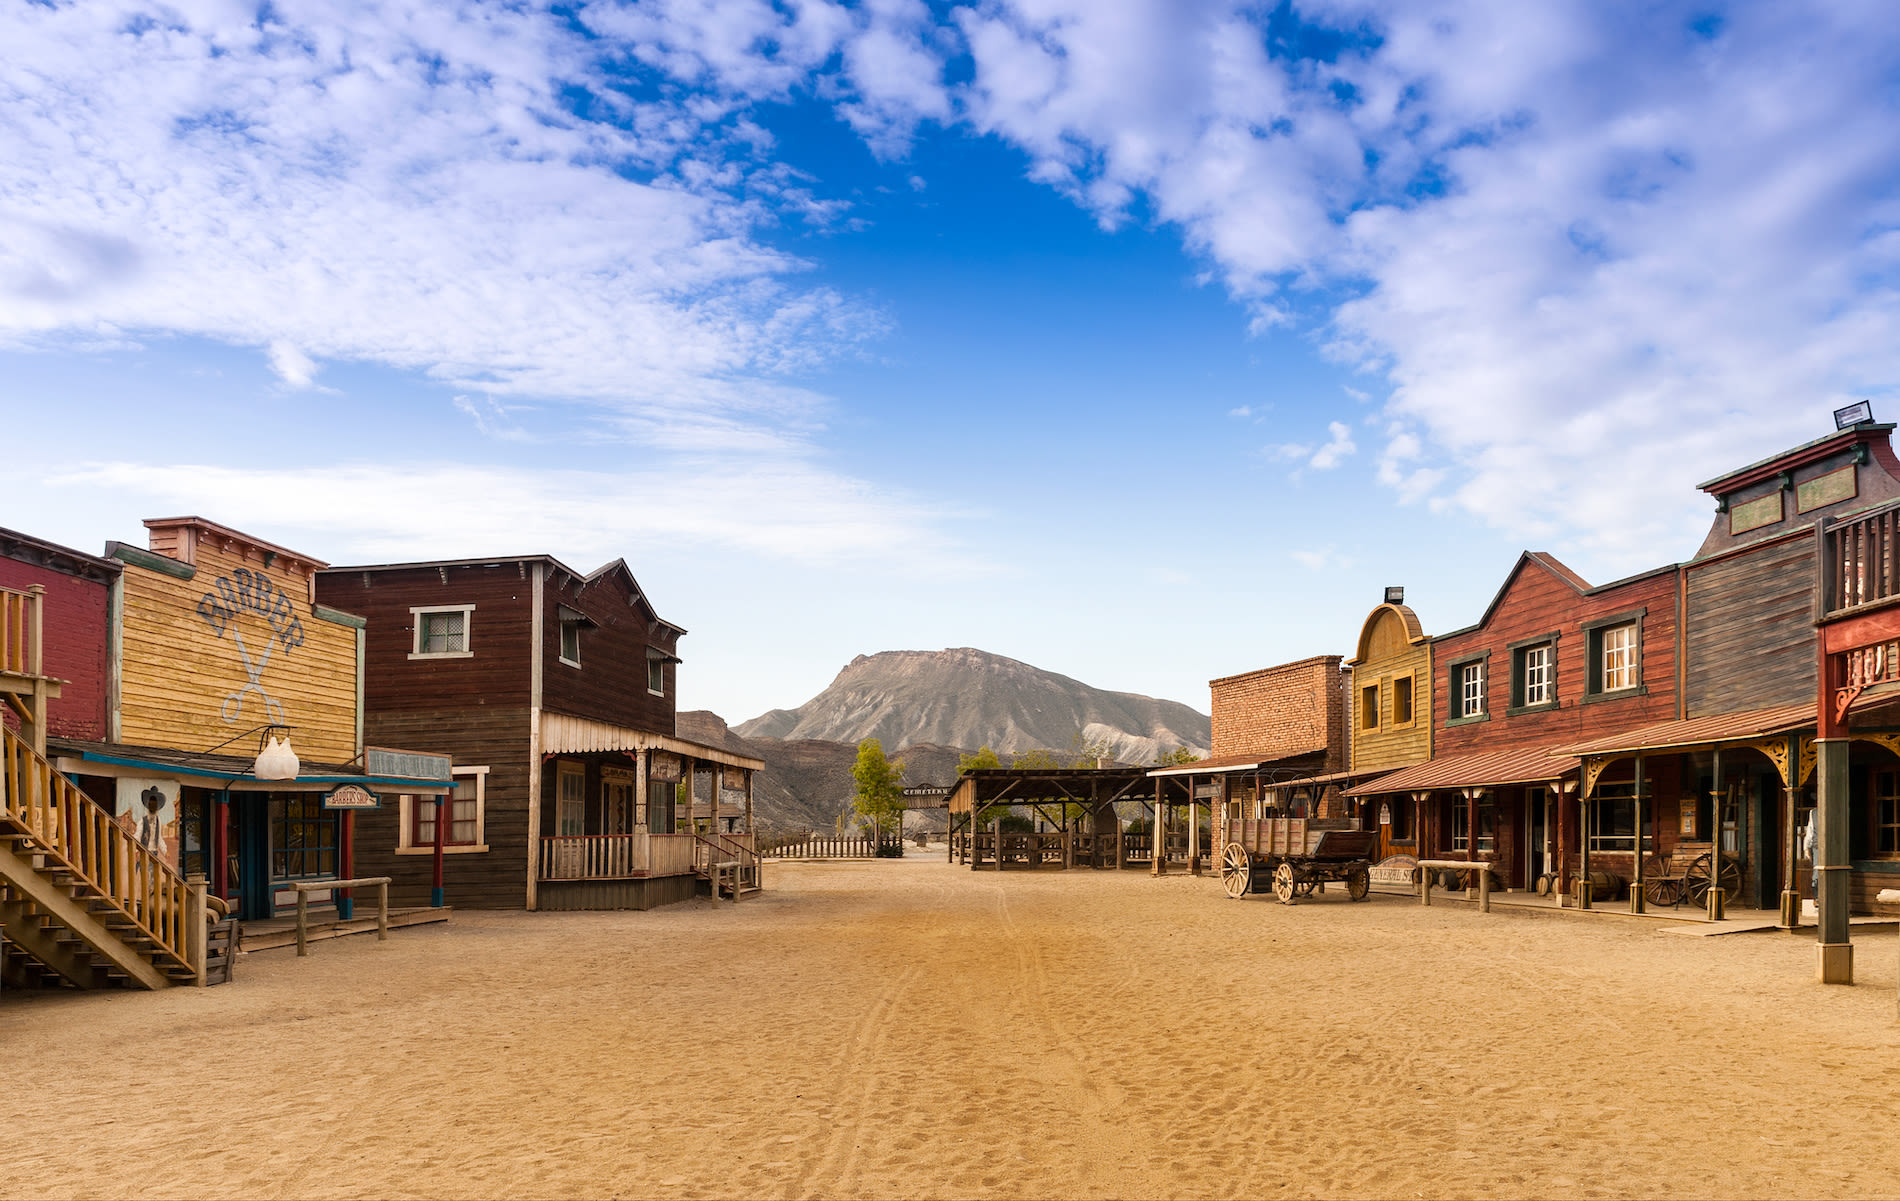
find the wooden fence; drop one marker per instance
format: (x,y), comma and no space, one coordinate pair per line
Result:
(811,846)
(616,856)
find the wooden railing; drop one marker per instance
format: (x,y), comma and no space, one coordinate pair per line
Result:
(709,849)
(810,846)
(20,619)
(82,840)
(672,855)
(1860,559)
(594,856)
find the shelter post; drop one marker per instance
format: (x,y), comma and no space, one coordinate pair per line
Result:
(1636,879)
(1835,954)
(1718,902)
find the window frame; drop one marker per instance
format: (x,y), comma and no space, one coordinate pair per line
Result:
(1410,680)
(1455,714)
(570,629)
(416,615)
(407,818)
(1593,634)
(565,770)
(1369,706)
(656,668)
(1887,824)
(1520,651)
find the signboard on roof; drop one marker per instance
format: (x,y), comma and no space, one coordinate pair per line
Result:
(406,765)
(351,796)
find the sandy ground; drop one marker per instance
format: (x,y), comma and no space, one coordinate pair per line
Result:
(909,1029)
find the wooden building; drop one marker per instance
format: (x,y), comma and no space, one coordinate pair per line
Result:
(555,695)
(1279,747)
(70,596)
(1390,716)
(1552,661)
(215,644)
(1080,818)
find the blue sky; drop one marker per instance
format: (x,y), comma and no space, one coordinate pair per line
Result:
(1144,341)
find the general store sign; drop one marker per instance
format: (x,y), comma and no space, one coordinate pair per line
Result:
(351,796)
(665,767)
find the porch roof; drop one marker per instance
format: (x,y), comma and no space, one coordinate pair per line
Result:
(1700,731)
(220,771)
(1478,769)
(562,734)
(1227,764)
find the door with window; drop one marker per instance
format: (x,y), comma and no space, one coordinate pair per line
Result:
(570,820)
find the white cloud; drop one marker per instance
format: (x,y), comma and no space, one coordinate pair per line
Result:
(1325,559)
(1596,252)
(292,365)
(1340,445)
(409,510)
(1242,411)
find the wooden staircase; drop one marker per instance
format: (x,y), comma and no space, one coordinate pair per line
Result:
(709,849)
(81,902)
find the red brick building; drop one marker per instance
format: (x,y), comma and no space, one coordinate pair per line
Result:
(76,615)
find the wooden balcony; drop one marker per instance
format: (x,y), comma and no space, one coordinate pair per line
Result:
(1859,561)
(635,856)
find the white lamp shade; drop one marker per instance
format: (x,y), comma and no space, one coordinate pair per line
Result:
(277,761)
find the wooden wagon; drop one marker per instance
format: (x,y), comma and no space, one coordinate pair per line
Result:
(1295,856)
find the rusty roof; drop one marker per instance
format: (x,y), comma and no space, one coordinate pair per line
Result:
(1231,763)
(1700,731)
(1480,769)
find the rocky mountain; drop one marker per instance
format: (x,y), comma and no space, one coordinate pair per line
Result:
(965,697)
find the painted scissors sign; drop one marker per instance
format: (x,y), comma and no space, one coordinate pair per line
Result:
(251,591)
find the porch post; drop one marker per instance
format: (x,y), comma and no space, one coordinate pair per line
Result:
(345,901)
(441,818)
(1586,891)
(1157,833)
(1718,903)
(1790,854)
(1636,884)
(1194,835)
(1562,874)
(1835,954)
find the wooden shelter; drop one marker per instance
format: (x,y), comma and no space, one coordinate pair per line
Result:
(1075,813)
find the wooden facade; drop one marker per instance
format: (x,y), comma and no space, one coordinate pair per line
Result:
(1390,716)
(215,645)
(555,694)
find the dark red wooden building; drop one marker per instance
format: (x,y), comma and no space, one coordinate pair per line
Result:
(554,693)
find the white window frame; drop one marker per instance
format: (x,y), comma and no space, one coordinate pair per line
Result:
(1540,675)
(405,807)
(566,770)
(416,615)
(1623,647)
(575,628)
(1471,689)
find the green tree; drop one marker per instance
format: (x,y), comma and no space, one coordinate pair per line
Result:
(880,788)
(984,757)
(1176,757)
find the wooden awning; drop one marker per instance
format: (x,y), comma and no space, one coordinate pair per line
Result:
(1479,769)
(1745,726)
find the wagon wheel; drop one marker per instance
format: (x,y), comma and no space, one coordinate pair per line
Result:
(1695,880)
(1359,883)
(1662,891)
(1730,875)
(1236,870)
(1283,884)
(1311,884)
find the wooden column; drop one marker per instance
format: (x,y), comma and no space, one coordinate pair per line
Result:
(435,889)
(345,899)
(1562,874)
(1585,891)
(1718,903)
(1157,832)
(1194,834)
(1790,856)
(1636,877)
(1834,953)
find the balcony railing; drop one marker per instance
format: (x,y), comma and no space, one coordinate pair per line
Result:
(1860,560)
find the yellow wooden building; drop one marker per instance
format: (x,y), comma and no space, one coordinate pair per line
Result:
(1391,722)
(217,647)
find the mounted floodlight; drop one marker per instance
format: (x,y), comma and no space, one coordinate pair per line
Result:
(1853,415)
(1395,596)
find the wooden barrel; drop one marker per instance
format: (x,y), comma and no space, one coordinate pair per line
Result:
(1604,885)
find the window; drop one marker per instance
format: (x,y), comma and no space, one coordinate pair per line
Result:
(571,643)
(1534,674)
(661,796)
(442,632)
(1471,690)
(571,800)
(467,817)
(194,825)
(1402,701)
(1615,652)
(1887,813)
(1461,826)
(302,837)
(1613,819)
(656,676)
(463,808)
(1369,707)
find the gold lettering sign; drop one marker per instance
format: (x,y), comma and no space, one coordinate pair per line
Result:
(1824,490)
(1754,514)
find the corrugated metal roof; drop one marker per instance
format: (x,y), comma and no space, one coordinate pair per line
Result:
(1699,731)
(1230,763)
(1480,769)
